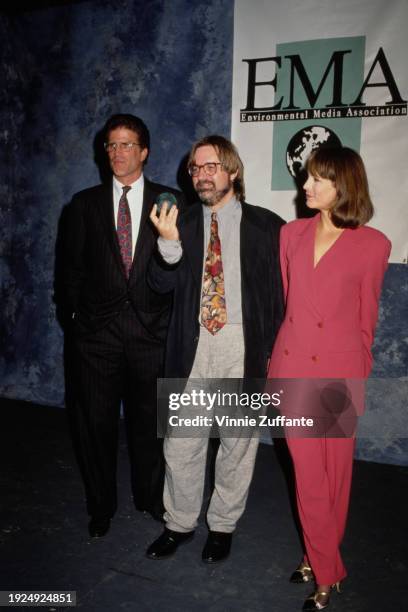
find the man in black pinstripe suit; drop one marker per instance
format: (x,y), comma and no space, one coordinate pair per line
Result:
(119,325)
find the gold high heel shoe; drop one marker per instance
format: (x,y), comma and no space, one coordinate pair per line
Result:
(303,573)
(320,599)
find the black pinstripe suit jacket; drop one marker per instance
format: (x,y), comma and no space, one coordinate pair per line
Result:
(96,287)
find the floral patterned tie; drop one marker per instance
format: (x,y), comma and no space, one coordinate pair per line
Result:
(124,229)
(213,308)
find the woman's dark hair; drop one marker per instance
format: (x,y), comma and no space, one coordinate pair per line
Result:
(345,168)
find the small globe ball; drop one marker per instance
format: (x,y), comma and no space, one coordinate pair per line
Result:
(169,198)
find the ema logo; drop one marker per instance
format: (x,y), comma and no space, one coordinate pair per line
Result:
(316,85)
(321,80)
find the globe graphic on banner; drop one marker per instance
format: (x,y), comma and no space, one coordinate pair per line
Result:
(304,142)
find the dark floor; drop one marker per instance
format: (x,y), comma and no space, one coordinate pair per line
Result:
(44,544)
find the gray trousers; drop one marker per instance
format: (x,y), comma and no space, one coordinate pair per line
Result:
(218,356)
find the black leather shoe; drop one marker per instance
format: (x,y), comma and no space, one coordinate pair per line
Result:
(167,544)
(218,546)
(98,527)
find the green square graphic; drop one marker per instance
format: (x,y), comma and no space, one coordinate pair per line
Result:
(315,57)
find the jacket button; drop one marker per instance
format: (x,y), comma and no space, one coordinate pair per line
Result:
(314,358)
(291,319)
(320,324)
(286,352)
(196,339)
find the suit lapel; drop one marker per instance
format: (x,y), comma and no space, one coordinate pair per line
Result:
(248,243)
(149,196)
(252,241)
(327,273)
(304,263)
(146,236)
(192,237)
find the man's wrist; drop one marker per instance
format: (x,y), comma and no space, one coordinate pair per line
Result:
(170,250)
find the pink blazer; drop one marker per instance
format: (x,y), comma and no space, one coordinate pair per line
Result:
(331,310)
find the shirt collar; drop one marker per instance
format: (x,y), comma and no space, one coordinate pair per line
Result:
(136,185)
(226,211)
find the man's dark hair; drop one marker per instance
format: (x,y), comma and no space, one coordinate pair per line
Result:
(131,122)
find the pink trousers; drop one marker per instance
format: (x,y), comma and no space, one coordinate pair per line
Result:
(323,470)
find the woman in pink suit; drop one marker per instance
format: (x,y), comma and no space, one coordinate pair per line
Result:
(332,267)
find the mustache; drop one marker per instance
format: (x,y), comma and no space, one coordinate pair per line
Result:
(203,184)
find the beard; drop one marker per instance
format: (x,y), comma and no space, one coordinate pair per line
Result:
(207,193)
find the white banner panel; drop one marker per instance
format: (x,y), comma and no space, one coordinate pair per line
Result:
(308,72)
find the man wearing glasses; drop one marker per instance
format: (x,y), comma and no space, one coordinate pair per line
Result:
(119,325)
(221,261)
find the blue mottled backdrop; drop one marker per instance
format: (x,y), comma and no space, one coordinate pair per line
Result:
(65,70)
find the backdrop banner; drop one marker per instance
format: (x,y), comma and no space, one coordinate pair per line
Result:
(319,72)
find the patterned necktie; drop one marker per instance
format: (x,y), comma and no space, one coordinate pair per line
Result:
(124,229)
(213,308)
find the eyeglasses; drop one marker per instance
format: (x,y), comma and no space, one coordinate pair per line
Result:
(122,146)
(210,168)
